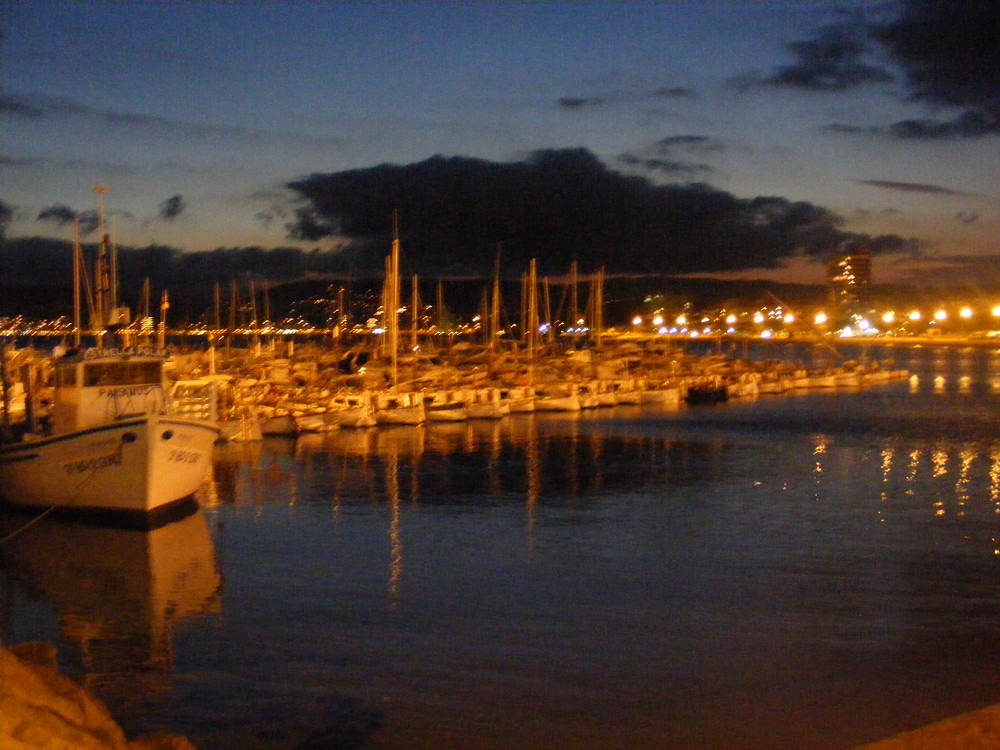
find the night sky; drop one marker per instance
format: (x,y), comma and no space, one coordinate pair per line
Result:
(199,115)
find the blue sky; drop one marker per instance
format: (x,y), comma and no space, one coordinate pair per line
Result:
(218,105)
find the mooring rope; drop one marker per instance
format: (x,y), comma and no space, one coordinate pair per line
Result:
(50,509)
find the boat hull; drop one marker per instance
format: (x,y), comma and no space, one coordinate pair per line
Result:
(140,471)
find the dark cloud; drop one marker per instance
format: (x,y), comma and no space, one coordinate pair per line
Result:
(61,216)
(55,108)
(912,187)
(6,215)
(949,54)
(664,166)
(949,60)
(557,206)
(626,97)
(18,108)
(833,60)
(666,156)
(969,124)
(172,207)
(10,161)
(695,143)
(579,102)
(944,53)
(58,214)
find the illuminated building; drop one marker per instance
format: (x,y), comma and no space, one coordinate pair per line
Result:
(849,279)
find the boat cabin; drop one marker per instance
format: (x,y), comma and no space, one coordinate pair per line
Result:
(99,386)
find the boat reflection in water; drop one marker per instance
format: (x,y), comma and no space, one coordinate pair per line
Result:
(118,595)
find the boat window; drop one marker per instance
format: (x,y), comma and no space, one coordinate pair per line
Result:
(122,373)
(65,376)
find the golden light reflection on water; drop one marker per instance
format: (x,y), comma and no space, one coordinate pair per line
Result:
(534,477)
(967,455)
(119,595)
(395,533)
(887,455)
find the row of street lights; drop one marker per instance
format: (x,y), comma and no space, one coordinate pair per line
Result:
(769,322)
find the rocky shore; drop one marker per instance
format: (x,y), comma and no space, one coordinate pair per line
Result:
(975,730)
(42,709)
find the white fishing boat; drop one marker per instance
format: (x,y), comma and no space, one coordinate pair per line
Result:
(587,393)
(313,422)
(352,409)
(446,406)
(487,403)
(400,408)
(664,394)
(110,446)
(520,399)
(557,397)
(627,391)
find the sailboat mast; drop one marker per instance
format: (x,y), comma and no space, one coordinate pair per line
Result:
(217,300)
(161,339)
(597,313)
(113,298)
(414,313)
(102,276)
(393,299)
(532,323)
(494,316)
(548,311)
(232,315)
(573,296)
(77,273)
(439,303)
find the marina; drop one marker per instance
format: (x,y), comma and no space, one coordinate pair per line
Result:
(814,569)
(495,376)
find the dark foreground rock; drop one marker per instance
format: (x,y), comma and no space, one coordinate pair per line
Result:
(42,709)
(976,730)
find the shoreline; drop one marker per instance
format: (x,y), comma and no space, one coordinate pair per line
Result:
(974,730)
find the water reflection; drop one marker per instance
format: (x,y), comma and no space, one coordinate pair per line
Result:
(118,595)
(544,461)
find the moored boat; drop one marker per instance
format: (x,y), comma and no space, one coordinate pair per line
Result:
(446,406)
(352,409)
(110,447)
(487,403)
(400,408)
(711,391)
(557,397)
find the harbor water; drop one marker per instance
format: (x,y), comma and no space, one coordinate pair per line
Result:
(818,569)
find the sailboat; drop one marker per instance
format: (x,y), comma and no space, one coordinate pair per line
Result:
(110,447)
(395,407)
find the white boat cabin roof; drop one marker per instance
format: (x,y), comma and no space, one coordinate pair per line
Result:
(101,368)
